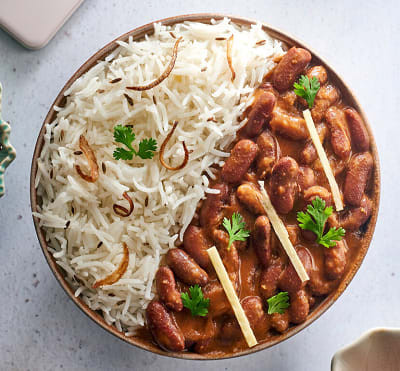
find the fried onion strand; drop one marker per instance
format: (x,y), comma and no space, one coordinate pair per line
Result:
(162,149)
(123,211)
(94,168)
(118,273)
(164,75)
(229,44)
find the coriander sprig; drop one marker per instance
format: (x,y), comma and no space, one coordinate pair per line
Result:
(307,89)
(314,220)
(278,303)
(196,302)
(125,135)
(235,229)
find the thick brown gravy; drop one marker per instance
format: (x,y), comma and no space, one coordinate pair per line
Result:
(218,332)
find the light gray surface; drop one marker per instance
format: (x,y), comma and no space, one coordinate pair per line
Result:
(40,329)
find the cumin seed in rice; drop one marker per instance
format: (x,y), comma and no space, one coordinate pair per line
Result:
(220,38)
(67,225)
(78,153)
(51,174)
(172,34)
(154,99)
(261,42)
(129,99)
(103,167)
(118,79)
(99,244)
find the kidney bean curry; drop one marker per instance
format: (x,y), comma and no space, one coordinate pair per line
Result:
(191,311)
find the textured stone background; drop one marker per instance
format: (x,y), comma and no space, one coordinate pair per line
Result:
(41,329)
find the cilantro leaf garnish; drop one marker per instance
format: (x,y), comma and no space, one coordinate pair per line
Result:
(307,89)
(278,303)
(236,229)
(196,302)
(146,148)
(125,135)
(314,220)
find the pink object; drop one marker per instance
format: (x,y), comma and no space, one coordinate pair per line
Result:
(34,23)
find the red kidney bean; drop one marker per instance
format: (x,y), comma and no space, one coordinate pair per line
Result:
(337,165)
(242,155)
(319,72)
(259,114)
(355,217)
(196,244)
(196,329)
(289,280)
(262,240)
(299,307)
(219,303)
(258,319)
(306,178)
(288,99)
(202,346)
(327,95)
(317,191)
(358,174)
(319,285)
(335,260)
(293,231)
(284,184)
(358,131)
(230,330)
(230,258)
(166,289)
(269,279)
(339,139)
(269,152)
(211,210)
(280,322)
(290,66)
(221,239)
(309,154)
(250,197)
(186,268)
(163,328)
(292,127)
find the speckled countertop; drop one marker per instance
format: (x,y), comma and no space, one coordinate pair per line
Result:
(41,329)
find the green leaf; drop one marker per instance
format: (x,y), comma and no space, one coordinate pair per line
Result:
(120,153)
(307,89)
(196,302)
(329,238)
(147,148)
(314,220)
(278,303)
(235,229)
(125,135)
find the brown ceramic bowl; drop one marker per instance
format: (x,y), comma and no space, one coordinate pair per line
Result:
(137,34)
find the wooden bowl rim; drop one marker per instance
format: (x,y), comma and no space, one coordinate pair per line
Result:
(137,34)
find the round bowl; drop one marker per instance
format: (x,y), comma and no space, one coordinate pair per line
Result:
(137,34)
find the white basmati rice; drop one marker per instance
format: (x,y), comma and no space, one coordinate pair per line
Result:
(198,88)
